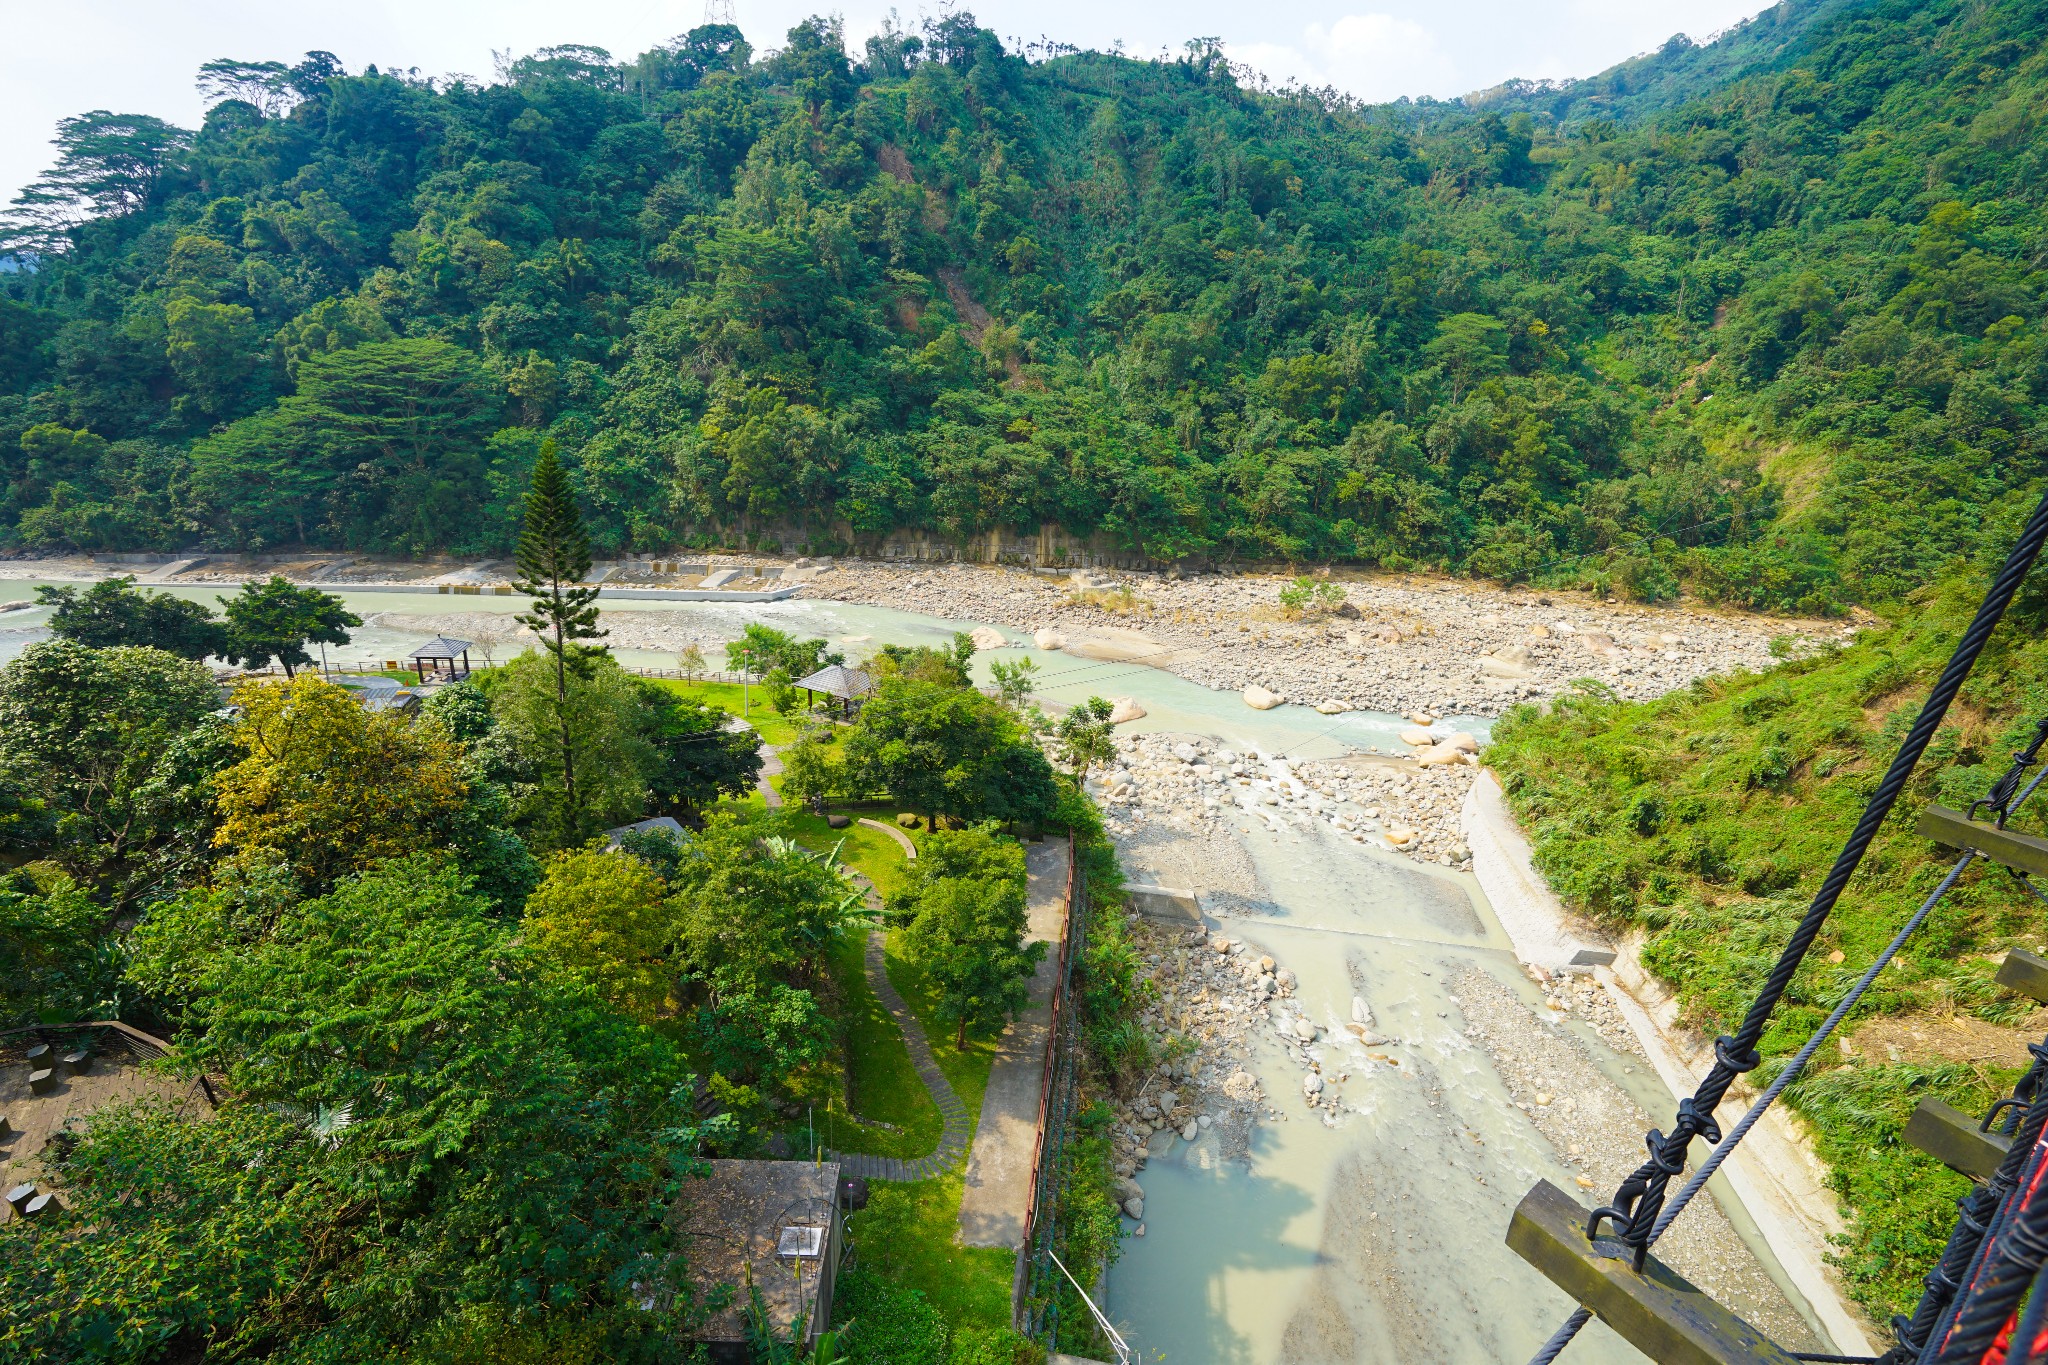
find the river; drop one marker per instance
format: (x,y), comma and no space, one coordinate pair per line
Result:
(1378,1239)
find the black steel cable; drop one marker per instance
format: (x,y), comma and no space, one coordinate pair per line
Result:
(1975,1212)
(1641,1197)
(2000,1218)
(2028,1330)
(1562,1337)
(2016,1258)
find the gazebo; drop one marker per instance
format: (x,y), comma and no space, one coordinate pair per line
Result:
(442,660)
(847,686)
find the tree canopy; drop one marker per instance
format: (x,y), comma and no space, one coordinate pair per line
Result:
(1708,318)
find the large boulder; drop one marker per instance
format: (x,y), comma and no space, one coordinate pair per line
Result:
(1125,709)
(1463,742)
(1417,737)
(1518,655)
(1048,638)
(1332,707)
(1598,642)
(1437,755)
(1492,666)
(1260,699)
(988,637)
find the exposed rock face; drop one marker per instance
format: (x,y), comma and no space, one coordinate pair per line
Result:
(1259,698)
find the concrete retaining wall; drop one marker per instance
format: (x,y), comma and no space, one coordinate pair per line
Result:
(1523,901)
(1164,902)
(1774,1173)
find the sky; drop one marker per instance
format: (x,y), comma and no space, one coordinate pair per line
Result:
(139,56)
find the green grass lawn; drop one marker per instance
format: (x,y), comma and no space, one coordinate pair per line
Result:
(905,1235)
(884,1085)
(867,851)
(968,1070)
(726,696)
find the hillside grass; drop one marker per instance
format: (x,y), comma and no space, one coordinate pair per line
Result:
(1704,821)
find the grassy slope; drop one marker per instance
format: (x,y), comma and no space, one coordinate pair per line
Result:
(908,1231)
(726,696)
(906,1236)
(1706,820)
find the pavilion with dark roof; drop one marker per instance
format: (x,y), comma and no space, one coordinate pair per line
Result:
(847,686)
(442,660)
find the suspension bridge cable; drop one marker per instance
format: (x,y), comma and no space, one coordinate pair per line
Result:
(1726,1147)
(1798,1063)
(1639,1201)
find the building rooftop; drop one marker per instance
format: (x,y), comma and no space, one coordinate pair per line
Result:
(377,692)
(772,1220)
(837,680)
(660,824)
(441,647)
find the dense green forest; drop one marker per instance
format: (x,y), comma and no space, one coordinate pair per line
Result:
(1763,316)
(466,1054)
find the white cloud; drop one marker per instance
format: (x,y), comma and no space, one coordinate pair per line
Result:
(1374,56)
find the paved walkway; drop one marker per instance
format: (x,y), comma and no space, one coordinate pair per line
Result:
(771,765)
(953,1136)
(998,1189)
(909,849)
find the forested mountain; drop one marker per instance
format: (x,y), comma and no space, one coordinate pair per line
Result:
(1795,320)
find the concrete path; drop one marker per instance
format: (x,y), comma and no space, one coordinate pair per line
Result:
(909,849)
(999,1163)
(771,764)
(953,1136)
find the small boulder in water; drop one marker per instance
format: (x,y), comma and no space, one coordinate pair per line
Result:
(1126,709)
(1260,699)
(988,637)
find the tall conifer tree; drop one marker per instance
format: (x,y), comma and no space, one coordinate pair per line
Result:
(553,561)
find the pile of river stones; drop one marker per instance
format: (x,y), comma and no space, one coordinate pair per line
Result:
(1394,643)
(1214,994)
(1410,805)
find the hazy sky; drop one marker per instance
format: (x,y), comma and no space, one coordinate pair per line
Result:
(138,56)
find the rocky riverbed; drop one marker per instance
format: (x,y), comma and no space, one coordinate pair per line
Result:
(1176,784)
(1396,643)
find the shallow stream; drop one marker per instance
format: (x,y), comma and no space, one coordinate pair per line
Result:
(1377,1240)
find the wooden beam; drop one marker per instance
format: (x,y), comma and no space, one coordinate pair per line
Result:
(1658,1312)
(2026,973)
(1955,1139)
(2021,852)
